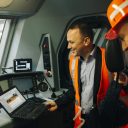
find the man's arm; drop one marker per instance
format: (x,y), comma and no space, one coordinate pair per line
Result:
(112,110)
(66,98)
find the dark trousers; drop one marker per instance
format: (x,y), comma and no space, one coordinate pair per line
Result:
(85,117)
(92,120)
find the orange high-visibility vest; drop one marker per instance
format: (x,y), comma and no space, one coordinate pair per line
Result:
(74,61)
(104,83)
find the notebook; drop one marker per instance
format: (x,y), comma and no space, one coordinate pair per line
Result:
(19,107)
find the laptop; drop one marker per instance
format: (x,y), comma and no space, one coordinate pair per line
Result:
(18,107)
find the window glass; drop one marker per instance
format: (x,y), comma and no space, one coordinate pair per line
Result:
(99,36)
(4,31)
(2,24)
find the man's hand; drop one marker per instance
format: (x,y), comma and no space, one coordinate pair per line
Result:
(123,78)
(51,105)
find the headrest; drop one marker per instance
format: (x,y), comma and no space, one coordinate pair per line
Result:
(114,56)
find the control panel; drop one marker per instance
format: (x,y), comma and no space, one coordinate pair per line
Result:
(46,54)
(26,82)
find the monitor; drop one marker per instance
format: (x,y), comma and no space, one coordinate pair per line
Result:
(24,84)
(4,85)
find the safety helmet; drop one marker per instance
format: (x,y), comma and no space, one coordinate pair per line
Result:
(116,12)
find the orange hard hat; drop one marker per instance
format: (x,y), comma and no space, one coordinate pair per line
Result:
(116,12)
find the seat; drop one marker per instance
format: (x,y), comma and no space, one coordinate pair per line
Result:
(114,56)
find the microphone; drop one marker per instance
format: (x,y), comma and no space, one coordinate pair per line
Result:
(26,92)
(52,89)
(33,90)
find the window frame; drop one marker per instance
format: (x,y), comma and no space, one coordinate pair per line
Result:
(4,38)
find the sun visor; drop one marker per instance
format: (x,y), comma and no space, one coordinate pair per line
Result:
(114,56)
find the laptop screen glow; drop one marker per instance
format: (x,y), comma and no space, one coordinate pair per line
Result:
(11,100)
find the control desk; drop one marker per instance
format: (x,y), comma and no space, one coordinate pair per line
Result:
(7,122)
(29,84)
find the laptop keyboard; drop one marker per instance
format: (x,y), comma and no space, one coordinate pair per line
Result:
(37,111)
(36,99)
(31,110)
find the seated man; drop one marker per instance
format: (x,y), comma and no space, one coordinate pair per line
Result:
(89,76)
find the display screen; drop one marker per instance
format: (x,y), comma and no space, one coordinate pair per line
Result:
(4,85)
(23,83)
(22,65)
(11,100)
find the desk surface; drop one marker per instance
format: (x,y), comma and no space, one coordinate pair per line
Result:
(4,118)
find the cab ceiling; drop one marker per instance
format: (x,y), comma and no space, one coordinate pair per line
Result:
(19,8)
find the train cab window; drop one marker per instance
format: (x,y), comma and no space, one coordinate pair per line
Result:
(4,31)
(2,24)
(99,25)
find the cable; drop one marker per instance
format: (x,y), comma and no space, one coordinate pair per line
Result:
(4,69)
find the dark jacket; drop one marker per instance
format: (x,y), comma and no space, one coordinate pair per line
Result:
(113,111)
(70,95)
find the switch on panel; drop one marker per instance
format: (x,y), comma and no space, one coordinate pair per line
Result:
(46,53)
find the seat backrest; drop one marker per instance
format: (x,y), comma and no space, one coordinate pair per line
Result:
(114,56)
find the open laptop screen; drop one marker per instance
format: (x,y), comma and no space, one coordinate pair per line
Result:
(11,100)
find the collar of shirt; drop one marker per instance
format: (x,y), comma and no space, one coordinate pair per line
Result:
(90,57)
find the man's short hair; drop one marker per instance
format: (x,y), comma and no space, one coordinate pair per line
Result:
(85,29)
